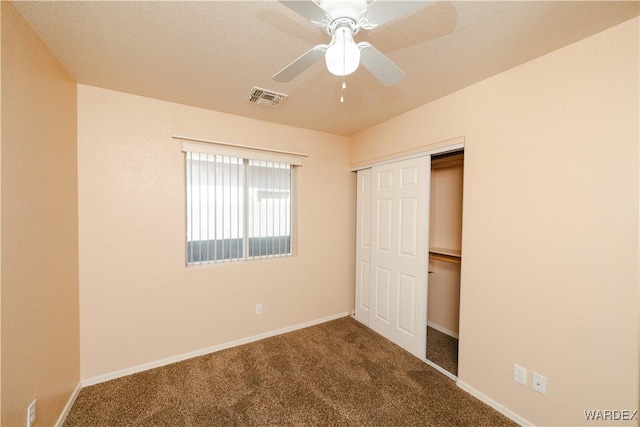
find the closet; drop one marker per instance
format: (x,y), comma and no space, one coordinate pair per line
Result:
(396,257)
(391,248)
(445,256)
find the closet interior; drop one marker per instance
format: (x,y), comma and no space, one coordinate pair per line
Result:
(445,257)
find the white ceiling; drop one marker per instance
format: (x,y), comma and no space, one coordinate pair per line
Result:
(211,53)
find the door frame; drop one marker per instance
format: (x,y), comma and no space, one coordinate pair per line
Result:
(455,144)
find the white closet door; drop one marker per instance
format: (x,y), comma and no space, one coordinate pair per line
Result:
(363,245)
(399,253)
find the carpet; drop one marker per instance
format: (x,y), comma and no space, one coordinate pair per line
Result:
(442,350)
(338,373)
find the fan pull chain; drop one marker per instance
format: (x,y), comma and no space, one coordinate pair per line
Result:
(344,66)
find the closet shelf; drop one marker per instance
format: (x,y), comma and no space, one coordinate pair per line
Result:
(446,255)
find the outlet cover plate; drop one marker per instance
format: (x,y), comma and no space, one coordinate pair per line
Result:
(520,374)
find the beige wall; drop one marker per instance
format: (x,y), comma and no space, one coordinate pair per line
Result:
(1,38)
(445,208)
(39,306)
(550,275)
(443,302)
(139,304)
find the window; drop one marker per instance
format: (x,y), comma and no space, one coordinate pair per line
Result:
(238,207)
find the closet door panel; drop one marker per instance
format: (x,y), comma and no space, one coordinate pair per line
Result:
(366,223)
(406,303)
(383,294)
(408,222)
(363,245)
(384,213)
(365,285)
(400,198)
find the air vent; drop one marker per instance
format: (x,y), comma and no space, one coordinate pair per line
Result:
(266,98)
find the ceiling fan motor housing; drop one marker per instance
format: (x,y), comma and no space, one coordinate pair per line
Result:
(343,22)
(351,9)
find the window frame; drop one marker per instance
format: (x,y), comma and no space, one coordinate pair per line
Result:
(246,156)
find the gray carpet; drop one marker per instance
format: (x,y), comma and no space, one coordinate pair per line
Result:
(442,350)
(335,374)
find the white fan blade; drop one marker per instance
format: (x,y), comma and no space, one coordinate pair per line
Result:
(380,12)
(379,65)
(303,62)
(307,9)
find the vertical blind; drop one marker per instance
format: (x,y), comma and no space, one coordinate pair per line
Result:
(237,208)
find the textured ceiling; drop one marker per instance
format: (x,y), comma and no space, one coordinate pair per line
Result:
(211,53)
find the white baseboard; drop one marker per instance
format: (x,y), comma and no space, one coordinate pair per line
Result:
(67,407)
(443,330)
(440,369)
(354,317)
(495,405)
(179,358)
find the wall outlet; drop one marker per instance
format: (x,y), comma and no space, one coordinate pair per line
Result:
(520,374)
(539,383)
(259,308)
(31,413)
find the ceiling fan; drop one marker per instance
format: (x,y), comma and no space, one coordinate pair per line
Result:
(342,19)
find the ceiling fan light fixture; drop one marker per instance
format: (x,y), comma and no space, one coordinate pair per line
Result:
(343,55)
(342,20)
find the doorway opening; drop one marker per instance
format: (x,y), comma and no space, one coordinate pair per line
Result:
(445,258)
